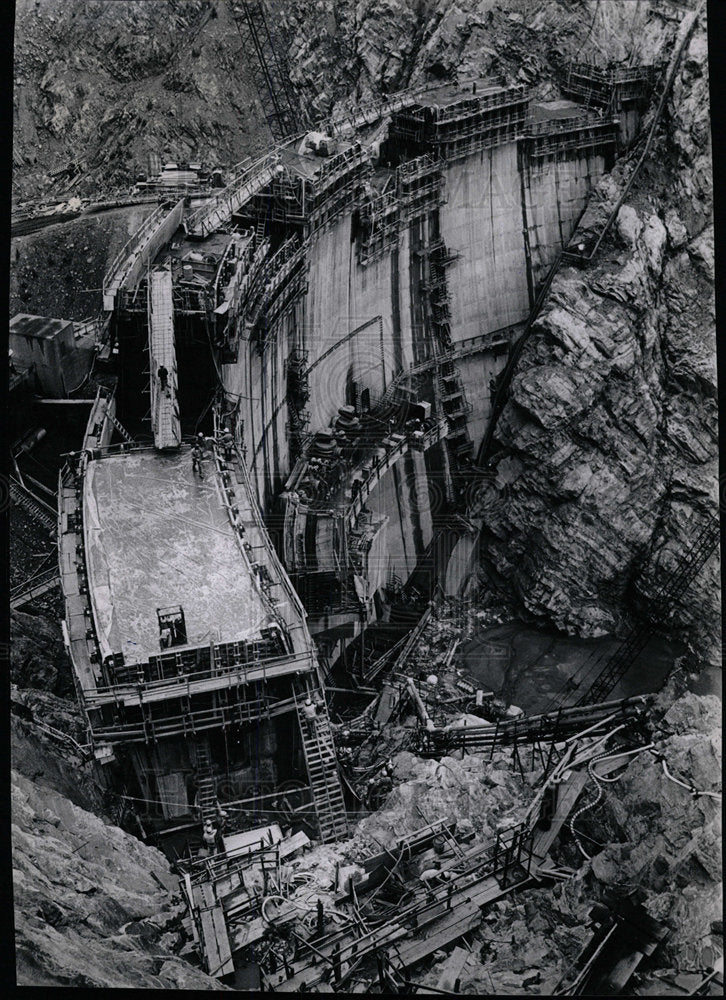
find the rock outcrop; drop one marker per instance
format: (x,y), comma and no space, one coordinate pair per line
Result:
(94,907)
(167,78)
(38,658)
(665,838)
(606,468)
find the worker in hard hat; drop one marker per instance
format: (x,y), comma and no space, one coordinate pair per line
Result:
(310,714)
(209,837)
(227,442)
(197,456)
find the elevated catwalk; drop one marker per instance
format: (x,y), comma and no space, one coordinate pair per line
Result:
(162,357)
(158,536)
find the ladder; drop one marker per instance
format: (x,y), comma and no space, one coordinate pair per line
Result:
(260,231)
(206,787)
(120,428)
(663,600)
(322,768)
(38,509)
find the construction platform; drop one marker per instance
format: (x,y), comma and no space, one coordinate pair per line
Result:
(157,536)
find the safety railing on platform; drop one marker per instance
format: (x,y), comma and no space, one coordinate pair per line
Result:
(429,438)
(276,568)
(114,275)
(547,727)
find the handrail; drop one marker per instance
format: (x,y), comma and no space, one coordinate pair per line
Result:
(431,437)
(28,495)
(272,556)
(134,687)
(39,578)
(134,240)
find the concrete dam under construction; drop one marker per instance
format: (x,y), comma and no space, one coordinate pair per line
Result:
(347,304)
(295,594)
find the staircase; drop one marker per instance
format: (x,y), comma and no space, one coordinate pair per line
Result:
(322,768)
(38,509)
(120,428)
(207,798)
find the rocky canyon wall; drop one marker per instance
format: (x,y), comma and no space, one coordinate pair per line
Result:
(607,448)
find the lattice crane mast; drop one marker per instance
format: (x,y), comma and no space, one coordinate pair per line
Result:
(269,69)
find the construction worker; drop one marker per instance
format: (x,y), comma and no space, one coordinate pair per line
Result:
(310,714)
(227,444)
(163,376)
(222,817)
(209,836)
(197,456)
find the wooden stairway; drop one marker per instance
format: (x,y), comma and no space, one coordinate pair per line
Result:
(322,768)
(206,795)
(120,428)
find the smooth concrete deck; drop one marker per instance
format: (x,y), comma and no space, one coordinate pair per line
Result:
(157,536)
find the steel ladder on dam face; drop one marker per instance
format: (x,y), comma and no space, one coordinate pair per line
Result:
(322,768)
(206,796)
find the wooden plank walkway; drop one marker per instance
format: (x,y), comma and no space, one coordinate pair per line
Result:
(215,940)
(162,353)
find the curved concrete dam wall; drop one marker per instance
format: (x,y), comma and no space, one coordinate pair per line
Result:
(410,288)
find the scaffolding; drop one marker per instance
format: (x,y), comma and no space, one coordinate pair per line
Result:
(379,223)
(283,200)
(276,283)
(420,184)
(609,88)
(566,135)
(297,395)
(339,182)
(409,126)
(468,126)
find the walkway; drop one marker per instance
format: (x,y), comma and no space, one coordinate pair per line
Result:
(165,422)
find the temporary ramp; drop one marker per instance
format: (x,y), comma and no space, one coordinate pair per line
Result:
(162,354)
(129,264)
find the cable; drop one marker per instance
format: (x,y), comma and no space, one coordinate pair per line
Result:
(695,792)
(599,779)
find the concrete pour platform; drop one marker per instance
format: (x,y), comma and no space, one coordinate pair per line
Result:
(158,536)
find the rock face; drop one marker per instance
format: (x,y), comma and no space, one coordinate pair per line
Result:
(343,49)
(606,468)
(37,655)
(93,905)
(668,838)
(171,77)
(139,78)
